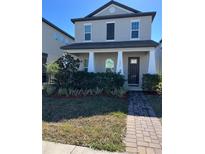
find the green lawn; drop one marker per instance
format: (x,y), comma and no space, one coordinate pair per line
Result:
(156,103)
(98,122)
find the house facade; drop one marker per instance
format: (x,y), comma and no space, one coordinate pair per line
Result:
(158,56)
(115,38)
(52,39)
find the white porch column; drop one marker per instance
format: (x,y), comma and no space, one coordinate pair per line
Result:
(91,67)
(152,63)
(119,67)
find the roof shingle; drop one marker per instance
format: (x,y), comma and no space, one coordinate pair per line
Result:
(107,45)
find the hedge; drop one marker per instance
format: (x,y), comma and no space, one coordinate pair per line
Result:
(106,81)
(152,83)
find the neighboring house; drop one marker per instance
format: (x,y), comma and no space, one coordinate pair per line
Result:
(115,38)
(52,39)
(158,55)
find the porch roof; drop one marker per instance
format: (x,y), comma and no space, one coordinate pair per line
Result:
(109,45)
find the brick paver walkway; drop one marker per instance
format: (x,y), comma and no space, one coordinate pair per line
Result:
(144,130)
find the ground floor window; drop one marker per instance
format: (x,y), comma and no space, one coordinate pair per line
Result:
(85,64)
(109,65)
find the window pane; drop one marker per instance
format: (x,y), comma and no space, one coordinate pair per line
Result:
(87,28)
(133,61)
(88,36)
(135,34)
(109,65)
(110,31)
(135,25)
(85,62)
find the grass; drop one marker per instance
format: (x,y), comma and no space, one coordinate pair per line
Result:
(156,103)
(96,122)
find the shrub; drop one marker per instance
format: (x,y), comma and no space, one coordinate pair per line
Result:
(117,92)
(86,92)
(159,88)
(49,89)
(52,70)
(62,92)
(67,65)
(106,81)
(151,82)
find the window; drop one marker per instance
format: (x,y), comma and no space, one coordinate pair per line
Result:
(110,31)
(85,64)
(87,32)
(134,29)
(109,65)
(133,61)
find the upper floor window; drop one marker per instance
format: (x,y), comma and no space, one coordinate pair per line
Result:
(134,29)
(110,31)
(87,32)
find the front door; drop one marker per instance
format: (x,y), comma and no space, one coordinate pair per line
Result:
(133,70)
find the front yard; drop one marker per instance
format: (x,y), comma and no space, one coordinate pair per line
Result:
(98,122)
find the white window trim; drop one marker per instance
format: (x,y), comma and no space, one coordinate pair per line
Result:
(110,22)
(137,20)
(88,24)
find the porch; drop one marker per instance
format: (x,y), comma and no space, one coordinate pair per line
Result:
(130,62)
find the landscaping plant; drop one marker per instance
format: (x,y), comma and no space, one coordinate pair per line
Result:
(67,66)
(152,82)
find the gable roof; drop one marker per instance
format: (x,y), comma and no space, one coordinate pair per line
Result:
(115,3)
(135,13)
(108,45)
(57,28)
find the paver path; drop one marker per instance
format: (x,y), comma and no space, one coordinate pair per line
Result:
(144,130)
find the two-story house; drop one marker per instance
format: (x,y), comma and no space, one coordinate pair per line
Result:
(115,38)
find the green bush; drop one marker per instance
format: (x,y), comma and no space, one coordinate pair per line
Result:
(106,81)
(52,70)
(116,92)
(85,92)
(49,89)
(159,88)
(152,82)
(67,65)
(62,92)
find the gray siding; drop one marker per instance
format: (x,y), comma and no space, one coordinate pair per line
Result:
(122,29)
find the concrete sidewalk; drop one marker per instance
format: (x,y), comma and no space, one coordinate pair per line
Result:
(57,148)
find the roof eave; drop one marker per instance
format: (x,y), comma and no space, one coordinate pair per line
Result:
(70,47)
(115,16)
(57,28)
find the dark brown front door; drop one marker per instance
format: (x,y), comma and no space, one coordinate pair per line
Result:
(133,70)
